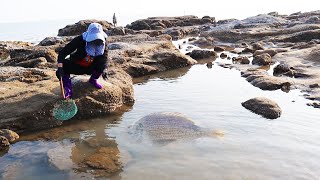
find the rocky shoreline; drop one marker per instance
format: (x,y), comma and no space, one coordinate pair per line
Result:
(29,87)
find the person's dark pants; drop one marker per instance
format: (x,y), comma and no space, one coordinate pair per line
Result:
(98,66)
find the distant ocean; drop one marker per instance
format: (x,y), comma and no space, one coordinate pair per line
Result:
(31,31)
(36,31)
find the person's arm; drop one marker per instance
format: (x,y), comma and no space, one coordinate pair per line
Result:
(68,49)
(105,54)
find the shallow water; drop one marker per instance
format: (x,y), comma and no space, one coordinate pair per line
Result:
(252,147)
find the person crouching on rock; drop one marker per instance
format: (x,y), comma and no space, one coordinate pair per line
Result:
(88,55)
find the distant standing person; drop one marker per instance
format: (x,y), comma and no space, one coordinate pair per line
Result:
(114,20)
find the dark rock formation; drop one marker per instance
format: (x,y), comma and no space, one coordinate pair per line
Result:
(117,31)
(202,54)
(158,23)
(27,75)
(49,41)
(257,46)
(81,26)
(219,48)
(241,60)
(303,36)
(283,69)
(264,107)
(262,59)
(223,55)
(271,52)
(262,80)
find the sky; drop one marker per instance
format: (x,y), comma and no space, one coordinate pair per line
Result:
(129,10)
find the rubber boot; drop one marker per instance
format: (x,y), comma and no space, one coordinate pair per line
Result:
(67,85)
(94,79)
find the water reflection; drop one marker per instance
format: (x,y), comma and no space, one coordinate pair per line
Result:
(77,149)
(165,76)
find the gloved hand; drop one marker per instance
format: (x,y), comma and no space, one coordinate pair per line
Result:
(59,72)
(105,74)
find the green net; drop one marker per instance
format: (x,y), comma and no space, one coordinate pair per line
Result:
(65,109)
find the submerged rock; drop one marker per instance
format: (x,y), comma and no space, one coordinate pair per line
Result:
(264,107)
(105,161)
(164,127)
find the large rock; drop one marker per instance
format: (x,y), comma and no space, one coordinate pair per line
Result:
(139,25)
(257,46)
(30,106)
(20,55)
(303,36)
(313,20)
(32,63)
(137,70)
(4,53)
(314,55)
(27,75)
(172,60)
(262,80)
(204,42)
(202,54)
(116,31)
(7,46)
(262,59)
(241,60)
(81,26)
(158,23)
(283,69)
(176,33)
(264,107)
(271,52)
(49,41)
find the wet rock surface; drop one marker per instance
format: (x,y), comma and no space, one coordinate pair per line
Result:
(262,59)
(264,107)
(262,80)
(168,22)
(203,54)
(81,26)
